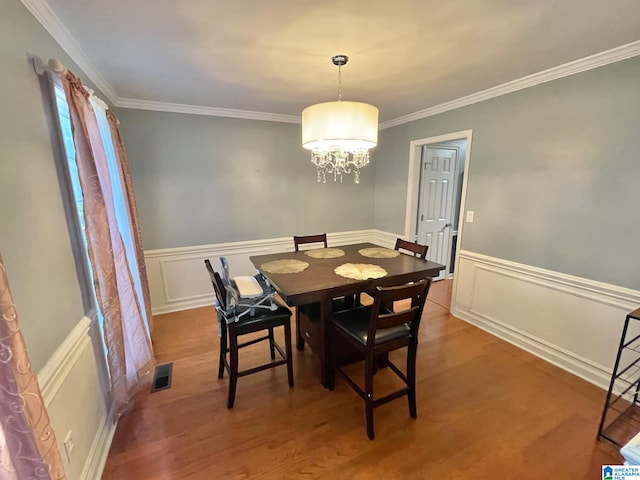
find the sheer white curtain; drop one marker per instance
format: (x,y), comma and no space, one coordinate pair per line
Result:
(120,203)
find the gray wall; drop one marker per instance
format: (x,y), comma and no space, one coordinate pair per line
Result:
(34,240)
(201,180)
(553,178)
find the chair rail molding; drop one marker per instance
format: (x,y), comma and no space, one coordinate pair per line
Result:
(55,372)
(572,322)
(178,279)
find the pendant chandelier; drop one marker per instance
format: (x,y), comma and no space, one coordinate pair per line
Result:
(339,134)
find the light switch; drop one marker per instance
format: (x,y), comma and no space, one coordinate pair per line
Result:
(469,216)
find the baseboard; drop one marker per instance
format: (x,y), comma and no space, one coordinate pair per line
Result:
(580,366)
(571,322)
(179,281)
(94,466)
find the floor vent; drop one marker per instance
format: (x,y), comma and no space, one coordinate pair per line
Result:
(162,377)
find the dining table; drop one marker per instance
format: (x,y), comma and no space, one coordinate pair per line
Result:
(318,276)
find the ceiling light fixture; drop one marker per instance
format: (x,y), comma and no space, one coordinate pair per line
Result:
(339,134)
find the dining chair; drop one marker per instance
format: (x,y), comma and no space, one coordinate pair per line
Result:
(305,239)
(417,249)
(374,331)
(312,311)
(233,322)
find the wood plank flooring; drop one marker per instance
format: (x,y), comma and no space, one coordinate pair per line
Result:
(486,410)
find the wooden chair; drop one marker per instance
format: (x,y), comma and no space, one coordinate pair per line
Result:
(264,319)
(373,331)
(312,310)
(304,239)
(417,249)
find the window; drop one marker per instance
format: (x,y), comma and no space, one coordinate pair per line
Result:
(117,191)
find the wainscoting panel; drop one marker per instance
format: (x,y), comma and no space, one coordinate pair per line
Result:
(178,279)
(75,401)
(572,322)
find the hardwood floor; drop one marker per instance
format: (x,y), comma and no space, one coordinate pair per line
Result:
(486,410)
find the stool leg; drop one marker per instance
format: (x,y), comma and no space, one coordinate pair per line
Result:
(368,390)
(233,370)
(223,351)
(411,379)
(272,349)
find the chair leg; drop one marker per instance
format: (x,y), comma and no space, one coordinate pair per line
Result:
(411,379)
(368,390)
(233,370)
(369,409)
(382,360)
(288,350)
(223,351)
(272,349)
(299,337)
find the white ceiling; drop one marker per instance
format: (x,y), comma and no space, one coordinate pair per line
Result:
(273,56)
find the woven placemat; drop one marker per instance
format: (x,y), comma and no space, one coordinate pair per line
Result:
(378,252)
(360,271)
(287,265)
(324,253)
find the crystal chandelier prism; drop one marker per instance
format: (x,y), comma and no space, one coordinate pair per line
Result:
(339,134)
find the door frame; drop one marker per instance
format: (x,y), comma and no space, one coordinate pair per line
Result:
(413,187)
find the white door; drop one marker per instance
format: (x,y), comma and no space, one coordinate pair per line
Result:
(436,203)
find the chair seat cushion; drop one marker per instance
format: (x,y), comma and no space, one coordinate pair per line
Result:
(355,323)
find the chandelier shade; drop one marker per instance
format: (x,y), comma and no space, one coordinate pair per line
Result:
(339,134)
(341,125)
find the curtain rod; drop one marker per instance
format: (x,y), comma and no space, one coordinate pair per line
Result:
(53,65)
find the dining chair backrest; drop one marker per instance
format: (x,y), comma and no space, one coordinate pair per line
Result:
(218,285)
(417,249)
(382,318)
(304,239)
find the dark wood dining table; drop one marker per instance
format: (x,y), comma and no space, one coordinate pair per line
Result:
(320,283)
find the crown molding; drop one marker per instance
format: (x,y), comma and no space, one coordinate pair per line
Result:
(42,12)
(49,20)
(211,111)
(593,61)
